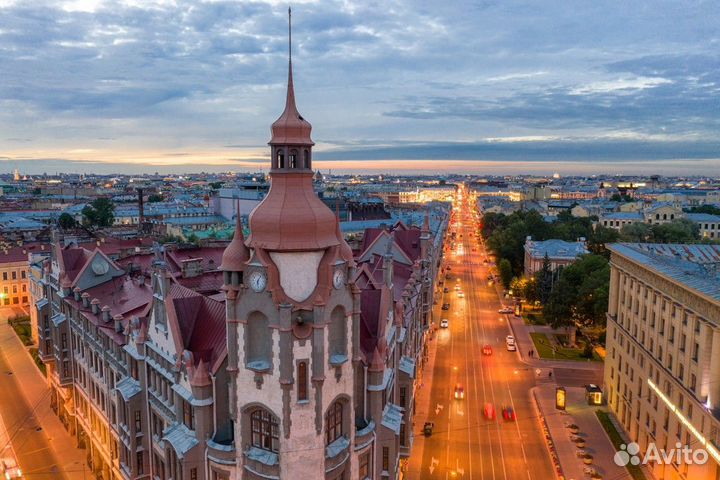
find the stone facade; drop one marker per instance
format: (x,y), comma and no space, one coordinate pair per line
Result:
(663,332)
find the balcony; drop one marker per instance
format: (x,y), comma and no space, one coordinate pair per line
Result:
(364,433)
(221,448)
(262,463)
(337,453)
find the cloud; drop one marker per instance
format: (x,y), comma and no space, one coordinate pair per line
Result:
(130,74)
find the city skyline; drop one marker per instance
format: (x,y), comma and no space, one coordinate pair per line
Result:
(123,87)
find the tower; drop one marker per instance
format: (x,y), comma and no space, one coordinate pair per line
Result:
(293,322)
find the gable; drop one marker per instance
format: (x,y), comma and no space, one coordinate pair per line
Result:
(97,270)
(379,247)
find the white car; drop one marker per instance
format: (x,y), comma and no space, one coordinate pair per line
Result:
(10,468)
(510,343)
(461,294)
(505,310)
(444,323)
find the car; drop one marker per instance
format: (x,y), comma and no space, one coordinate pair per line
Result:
(508,414)
(446,290)
(10,468)
(487,350)
(447,276)
(461,294)
(444,323)
(489,411)
(459,392)
(510,343)
(510,339)
(457,287)
(506,310)
(446,306)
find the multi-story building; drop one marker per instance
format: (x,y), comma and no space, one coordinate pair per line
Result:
(559,252)
(709,224)
(663,338)
(14,278)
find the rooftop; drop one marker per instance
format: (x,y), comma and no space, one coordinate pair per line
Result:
(695,266)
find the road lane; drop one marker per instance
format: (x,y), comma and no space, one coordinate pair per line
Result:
(465,444)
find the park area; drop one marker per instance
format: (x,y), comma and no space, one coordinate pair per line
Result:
(553,346)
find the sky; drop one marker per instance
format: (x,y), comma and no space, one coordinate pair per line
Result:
(482,86)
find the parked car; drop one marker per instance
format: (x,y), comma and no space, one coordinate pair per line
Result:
(446,290)
(444,323)
(505,309)
(508,414)
(487,350)
(446,306)
(10,468)
(459,392)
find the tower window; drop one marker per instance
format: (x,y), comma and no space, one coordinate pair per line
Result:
(293,159)
(280,159)
(334,422)
(265,430)
(302,379)
(306,159)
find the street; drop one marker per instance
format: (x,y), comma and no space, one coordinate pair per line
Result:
(465,443)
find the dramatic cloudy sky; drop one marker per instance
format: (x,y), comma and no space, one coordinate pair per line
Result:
(513,85)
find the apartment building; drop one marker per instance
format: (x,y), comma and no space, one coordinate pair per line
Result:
(663,338)
(135,359)
(14,278)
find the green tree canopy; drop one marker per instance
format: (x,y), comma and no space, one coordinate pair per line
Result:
(66,221)
(100,213)
(505,272)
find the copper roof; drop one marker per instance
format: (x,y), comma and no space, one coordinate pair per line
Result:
(292,217)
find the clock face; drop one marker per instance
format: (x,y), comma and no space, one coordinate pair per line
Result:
(258,281)
(338,278)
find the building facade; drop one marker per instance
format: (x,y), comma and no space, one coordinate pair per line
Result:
(663,336)
(559,252)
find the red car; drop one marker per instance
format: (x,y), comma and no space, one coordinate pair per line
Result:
(459,392)
(487,350)
(509,414)
(489,411)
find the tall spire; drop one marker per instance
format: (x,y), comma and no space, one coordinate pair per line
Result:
(291,127)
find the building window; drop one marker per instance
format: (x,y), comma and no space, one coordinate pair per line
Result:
(338,334)
(138,421)
(188,415)
(386,459)
(265,430)
(14,275)
(140,463)
(193,473)
(302,378)
(364,466)
(403,397)
(334,422)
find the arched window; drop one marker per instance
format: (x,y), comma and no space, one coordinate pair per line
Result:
(338,335)
(302,380)
(664,216)
(293,159)
(306,159)
(258,342)
(280,159)
(334,422)
(265,430)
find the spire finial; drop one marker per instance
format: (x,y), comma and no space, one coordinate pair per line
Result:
(290,34)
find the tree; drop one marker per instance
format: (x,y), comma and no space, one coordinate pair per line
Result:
(216,185)
(100,213)
(505,272)
(155,197)
(544,280)
(601,236)
(66,221)
(678,231)
(637,232)
(711,209)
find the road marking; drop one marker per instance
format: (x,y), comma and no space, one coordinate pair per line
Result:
(434,462)
(438,409)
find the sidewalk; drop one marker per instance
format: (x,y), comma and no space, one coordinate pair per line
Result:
(32,383)
(583,415)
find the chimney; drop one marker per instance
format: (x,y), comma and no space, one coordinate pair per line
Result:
(86,300)
(141,208)
(118,323)
(95,306)
(76,294)
(106,313)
